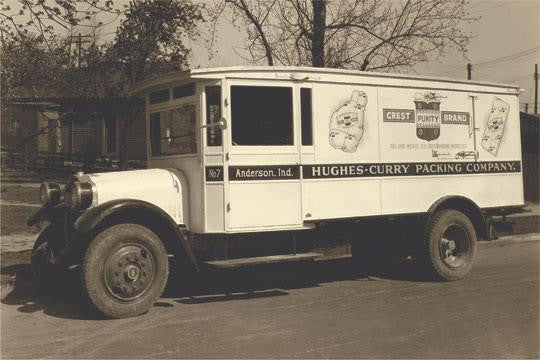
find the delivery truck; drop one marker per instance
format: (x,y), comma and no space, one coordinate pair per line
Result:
(253,165)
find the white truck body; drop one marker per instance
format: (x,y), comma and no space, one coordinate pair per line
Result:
(381,144)
(239,157)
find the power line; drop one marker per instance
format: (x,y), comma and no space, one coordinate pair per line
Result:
(508,57)
(476,3)
(493,7)
(509,62)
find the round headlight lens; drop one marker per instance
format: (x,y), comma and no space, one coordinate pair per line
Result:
(49,193)
(72,195)
(79,195)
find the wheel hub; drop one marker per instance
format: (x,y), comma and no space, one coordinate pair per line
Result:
(129,272)
(454,246)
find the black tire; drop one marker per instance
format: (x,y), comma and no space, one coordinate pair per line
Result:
(125,270)
(450,245)
(46,277)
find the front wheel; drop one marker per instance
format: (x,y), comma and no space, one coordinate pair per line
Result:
(450,243)
(124,270)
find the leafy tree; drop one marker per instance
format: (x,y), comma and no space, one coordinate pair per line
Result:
(151,39)
(45,19)
(23,64)
(29,69)
(358,34)
(37,62)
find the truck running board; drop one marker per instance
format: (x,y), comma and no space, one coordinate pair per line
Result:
(261,260)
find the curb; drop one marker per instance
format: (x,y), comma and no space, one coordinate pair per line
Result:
(510,239)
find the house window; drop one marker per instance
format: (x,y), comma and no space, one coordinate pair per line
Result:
(110,136)
(183,91)
(172,132)
(213,115)
(306,116)
(262,115)
(159,96)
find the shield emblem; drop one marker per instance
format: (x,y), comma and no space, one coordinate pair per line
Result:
(428,118)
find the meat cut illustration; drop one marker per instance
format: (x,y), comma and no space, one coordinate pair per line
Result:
(347,123)
(494,130)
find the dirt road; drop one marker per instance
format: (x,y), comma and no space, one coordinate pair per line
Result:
(494,313)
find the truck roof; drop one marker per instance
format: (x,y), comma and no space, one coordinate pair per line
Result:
(294,73)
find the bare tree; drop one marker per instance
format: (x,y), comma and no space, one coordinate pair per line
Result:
(253,15)
(46,19)
(357,34)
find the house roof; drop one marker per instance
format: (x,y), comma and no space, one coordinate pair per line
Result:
(63,104)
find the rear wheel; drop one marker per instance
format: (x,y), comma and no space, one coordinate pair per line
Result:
(124,270)
(450,244)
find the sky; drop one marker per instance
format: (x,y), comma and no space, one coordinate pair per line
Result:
(504,28)
(504,46)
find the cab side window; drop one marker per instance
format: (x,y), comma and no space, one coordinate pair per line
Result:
(172,132)
(262,115)
(306,116)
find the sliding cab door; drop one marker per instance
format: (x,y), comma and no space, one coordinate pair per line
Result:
(264,190)
(213,156)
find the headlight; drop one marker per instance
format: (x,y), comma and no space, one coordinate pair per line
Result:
(49,193)
(79,195)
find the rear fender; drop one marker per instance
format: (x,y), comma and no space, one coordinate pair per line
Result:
(466,206)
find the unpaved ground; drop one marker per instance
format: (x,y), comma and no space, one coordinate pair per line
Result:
(20,193)
(325,311)
(17,204)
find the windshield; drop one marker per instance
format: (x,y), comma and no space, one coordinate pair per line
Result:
(172,132)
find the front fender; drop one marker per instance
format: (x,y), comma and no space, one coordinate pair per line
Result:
(47,213)
(141,212)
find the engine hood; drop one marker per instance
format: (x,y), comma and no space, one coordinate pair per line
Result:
(165,188)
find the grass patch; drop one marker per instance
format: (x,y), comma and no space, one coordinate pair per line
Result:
(17,193)
(14,218)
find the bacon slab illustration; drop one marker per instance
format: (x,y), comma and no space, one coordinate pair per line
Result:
(494,130)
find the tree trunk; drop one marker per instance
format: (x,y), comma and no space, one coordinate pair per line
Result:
(318,33)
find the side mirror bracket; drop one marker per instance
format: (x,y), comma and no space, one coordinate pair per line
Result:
(221,124)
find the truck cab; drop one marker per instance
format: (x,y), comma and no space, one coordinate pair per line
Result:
(238,143)
(271,158)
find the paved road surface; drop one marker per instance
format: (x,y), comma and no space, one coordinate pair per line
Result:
(494,313)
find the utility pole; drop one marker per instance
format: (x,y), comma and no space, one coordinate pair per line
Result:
(80,41)
(469,71)
(536,89)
